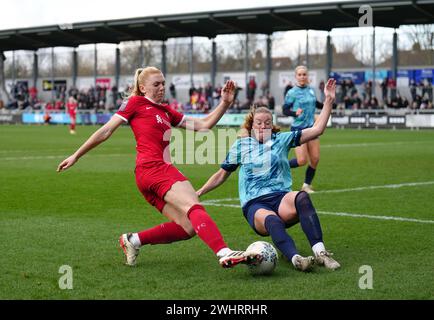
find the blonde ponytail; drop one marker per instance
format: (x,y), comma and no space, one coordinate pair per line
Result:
(140,76)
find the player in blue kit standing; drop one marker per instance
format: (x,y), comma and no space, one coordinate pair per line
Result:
(267,201)
(300,103)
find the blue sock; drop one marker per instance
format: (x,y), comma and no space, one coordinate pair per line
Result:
(293,163)
(310,173)
(308,218)
(276,228)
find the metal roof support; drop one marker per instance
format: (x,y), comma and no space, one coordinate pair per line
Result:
(190,62)
(374,84)
(164,58)
(329,62)
(14,68)
(74,67)
(141,55)
(268,65)
(213,62)
(35,69)
(52,74)
(395,56)
(307,49)
(117,66)
(95,64)
(246,62)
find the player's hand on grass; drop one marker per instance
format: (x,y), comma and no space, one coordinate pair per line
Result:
(67,163)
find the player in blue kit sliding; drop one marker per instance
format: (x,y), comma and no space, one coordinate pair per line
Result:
(267,201)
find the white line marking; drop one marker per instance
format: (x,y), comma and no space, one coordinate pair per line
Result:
(360,215)
(374,144)
(387,186)
(342,214)
(62,156)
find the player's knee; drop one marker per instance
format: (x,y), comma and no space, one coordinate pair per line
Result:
(314,161)
(302,161)
(303,203)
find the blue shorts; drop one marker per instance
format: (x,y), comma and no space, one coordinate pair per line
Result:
(269,202)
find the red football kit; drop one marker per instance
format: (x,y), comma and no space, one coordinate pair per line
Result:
(151,124)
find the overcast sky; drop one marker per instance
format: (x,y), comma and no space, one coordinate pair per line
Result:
(17,14)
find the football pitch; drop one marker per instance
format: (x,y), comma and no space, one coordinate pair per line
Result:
(375,200)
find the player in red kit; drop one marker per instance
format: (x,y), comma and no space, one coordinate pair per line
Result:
(71,109)
(161,183)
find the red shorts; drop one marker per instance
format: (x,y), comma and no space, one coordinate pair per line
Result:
(154,179)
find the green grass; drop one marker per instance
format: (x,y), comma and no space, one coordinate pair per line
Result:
(48,220)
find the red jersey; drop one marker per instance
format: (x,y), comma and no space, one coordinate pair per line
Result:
(151,124)
(72,108)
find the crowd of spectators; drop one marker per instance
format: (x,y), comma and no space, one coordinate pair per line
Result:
(204,98)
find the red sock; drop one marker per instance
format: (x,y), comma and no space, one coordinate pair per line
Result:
(206,228)
(164,233)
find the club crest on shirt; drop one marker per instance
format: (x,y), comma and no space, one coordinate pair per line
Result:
(159,120)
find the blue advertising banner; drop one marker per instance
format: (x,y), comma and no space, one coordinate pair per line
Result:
(357,77)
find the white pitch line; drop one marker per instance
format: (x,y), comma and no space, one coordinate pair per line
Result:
(360,215)
(342,214)
(62,156)
(374,144)
(386,186)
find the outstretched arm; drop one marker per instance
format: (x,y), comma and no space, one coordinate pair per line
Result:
(321,123)
(203,124)
(99,136)
(216,180)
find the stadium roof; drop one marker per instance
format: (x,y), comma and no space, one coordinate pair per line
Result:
(387,13)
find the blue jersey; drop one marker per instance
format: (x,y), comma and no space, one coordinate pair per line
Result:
(264,166)
(302,98)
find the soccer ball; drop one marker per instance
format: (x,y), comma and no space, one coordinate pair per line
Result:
(269,258)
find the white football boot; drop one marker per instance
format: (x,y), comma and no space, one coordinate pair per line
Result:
(303,263)
(129,250)
(324,259)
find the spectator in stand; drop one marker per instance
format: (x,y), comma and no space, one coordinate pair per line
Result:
(251,89)
(264,87)
(413,88)
(321,87)
(384,86)
(271,101)
(172,90)
(209,95)
(391,84)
